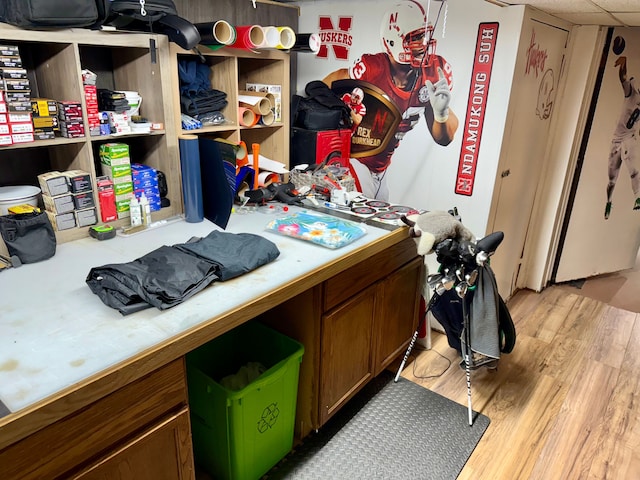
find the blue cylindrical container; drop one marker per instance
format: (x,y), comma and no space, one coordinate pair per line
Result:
(191,178)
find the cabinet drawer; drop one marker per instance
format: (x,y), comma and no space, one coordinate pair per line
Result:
(355,279)
(96,428)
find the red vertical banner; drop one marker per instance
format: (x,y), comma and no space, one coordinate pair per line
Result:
(476,106)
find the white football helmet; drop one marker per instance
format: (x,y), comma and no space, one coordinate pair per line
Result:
(403,32)
(357,95)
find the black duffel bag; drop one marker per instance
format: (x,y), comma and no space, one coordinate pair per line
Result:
(321,109)
(37,14)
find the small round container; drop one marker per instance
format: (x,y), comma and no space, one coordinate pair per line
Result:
(17,195)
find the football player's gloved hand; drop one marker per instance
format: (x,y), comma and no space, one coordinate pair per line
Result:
(439,97)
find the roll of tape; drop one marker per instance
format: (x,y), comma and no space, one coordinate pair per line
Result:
(287,38)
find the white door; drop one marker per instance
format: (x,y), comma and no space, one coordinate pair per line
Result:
(594,244)
(537,73)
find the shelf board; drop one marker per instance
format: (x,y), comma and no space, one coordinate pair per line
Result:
(101,138)
(45,143)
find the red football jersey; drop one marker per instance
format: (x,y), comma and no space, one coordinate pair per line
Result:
(375,69)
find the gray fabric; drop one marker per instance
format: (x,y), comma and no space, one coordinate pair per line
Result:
(485,334)
(388,431)
(4,410)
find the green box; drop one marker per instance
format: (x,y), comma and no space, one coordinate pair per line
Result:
(114,150)
(241,435)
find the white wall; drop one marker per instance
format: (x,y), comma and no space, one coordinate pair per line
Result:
(422,174)
(585,45)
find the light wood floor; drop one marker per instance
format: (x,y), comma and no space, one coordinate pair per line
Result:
(565,404)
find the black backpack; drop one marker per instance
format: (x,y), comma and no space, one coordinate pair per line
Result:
(322,109)
(159,16)
(37,14)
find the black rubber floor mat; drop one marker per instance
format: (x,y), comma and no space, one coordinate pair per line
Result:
(388,431)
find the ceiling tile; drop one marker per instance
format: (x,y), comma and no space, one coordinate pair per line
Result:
(618,5)
(560,6)
(590,19)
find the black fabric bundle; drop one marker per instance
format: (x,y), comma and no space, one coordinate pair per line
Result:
(197,97)
(170,275)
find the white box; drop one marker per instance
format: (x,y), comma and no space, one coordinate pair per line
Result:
(275,90)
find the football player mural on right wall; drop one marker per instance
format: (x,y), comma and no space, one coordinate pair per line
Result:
(404,81)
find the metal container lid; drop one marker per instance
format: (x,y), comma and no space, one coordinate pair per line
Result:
(17,192)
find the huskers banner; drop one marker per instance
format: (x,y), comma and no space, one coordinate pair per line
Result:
(476,106)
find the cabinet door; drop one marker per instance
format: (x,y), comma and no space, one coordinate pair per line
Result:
(162,452)
(346,351)
(397,313)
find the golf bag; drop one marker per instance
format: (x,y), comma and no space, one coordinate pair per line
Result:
(447,310)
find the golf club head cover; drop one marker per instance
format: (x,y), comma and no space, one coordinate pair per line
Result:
(431,228)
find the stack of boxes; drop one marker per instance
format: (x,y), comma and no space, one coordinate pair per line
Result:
(71,119)
(91,99)
(68,199)
(15,99)
(145,180)
(116,164)
(45,118)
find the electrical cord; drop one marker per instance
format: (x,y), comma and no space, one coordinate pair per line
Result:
(426,377)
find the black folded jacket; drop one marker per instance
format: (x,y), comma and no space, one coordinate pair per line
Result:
(168,276)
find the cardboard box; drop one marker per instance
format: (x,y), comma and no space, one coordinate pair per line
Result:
(22,137)
(114,153)
(60,204)
(62,221)
(121,189)
(44,134)
(44,107)
(9,51)
(53,183)
(106,199)
(13,73)
(21,127)
(83,200)
(118,173)
(86,217)
(79,181)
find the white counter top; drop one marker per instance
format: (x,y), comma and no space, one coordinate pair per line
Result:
(54,332)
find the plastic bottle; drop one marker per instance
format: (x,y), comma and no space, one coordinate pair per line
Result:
(135,212)
(145,210)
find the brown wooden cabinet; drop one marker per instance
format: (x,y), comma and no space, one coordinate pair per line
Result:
(347,363)
(140,431)
(353,326)
(163,452)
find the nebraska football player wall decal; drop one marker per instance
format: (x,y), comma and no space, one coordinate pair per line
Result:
(624,144)
(406,80)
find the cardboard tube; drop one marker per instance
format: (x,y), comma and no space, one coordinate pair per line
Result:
(260,103)
(245,159)
(271,37)
(216,33)
(287,38)
(256,163)
(247,117)
(248,37)
(267,119)
(266,178)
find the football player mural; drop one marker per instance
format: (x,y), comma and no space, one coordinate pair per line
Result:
(624,144)
(399,84)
